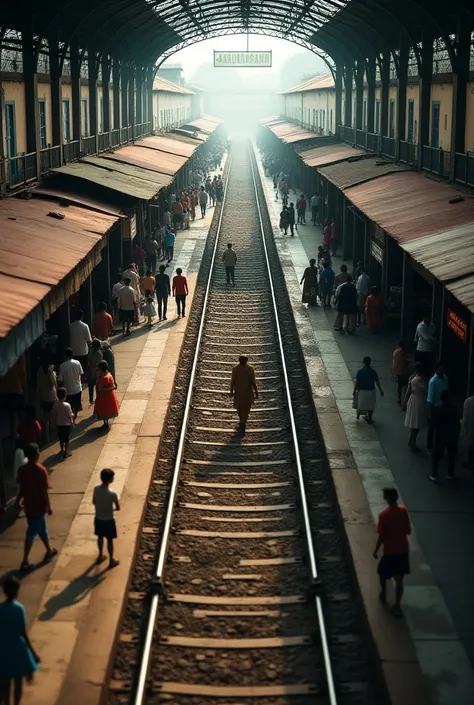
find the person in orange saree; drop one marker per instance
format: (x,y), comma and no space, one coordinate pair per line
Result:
(106,404)
(373,311)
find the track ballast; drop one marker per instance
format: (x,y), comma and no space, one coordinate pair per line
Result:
(236,615)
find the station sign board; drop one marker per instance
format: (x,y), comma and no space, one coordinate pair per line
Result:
(243,59)
(377,252)
(457,325)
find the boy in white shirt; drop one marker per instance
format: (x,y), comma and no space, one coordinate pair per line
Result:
(62,419)
(70,374)
(105,501)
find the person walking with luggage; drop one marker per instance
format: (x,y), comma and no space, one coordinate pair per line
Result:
(230,260)
(180,291)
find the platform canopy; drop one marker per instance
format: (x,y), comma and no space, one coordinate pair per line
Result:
(144,31)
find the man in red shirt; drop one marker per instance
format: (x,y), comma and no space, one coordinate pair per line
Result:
(393,529)
(102,323)
(29,429)
(33,490)
(180,291)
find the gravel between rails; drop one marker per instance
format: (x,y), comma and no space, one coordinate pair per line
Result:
(221,498)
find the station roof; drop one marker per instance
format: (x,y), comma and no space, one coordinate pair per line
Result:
(357,171)
(290,133)
(162,84)
(142,169)
(44,260)
(328,154)
(323,82)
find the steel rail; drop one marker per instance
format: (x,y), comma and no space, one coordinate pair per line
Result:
(145,657)
(304,502)
(152,617)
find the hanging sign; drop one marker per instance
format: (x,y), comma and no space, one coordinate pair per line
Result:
(377,252)
(243,59)
(457,325)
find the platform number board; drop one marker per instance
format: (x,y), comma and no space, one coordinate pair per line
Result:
(243,59)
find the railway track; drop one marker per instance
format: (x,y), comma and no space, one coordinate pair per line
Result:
(243,589)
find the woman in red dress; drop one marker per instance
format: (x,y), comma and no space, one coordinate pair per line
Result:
(373,311)
(106,404)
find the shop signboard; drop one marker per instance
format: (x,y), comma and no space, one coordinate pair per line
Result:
(377,252)
(129,227)
(243,59)
(457,325)
(378,234)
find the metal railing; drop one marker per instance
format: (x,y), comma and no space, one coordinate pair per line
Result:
(408,153)
(89,145)
(103,141)
(50,158)
(361,138)
(71,151)
(373,142)
(388,147)
(126,134)
(114,138)
(21,169)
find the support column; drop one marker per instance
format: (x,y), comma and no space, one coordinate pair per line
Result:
(139,97)
(131,100)
(3,174)
(384,93)
(371,95)
(150,107)
(75,89)
(402,81)
(124,94)
(338,111)
(56,95)
(424,103)
(348,95)
(460,80)
(359,96)
(92,71)
(116,93)
(30,77)
(105,93)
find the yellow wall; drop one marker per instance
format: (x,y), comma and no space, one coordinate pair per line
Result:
(323,102)
(443,92)
(15,92)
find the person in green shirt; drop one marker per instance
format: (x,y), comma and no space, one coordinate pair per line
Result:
(93,358)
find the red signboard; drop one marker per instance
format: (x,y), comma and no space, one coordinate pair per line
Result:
(457,325)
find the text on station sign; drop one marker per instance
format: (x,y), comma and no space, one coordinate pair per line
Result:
(457,325)
(243,59)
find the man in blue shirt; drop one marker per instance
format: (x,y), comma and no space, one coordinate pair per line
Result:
(437,385)
(169,239)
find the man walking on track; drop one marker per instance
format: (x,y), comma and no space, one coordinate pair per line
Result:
(230,260)
(243,387)
(393,528)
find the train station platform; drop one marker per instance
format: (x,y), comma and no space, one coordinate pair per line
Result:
(428,656)
(74,605)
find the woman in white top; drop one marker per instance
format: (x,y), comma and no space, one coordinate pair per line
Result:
(415,403)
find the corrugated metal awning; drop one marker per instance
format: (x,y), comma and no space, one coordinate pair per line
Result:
(409,206)
(288,133)
(152,159)
(44,260)
(206,124)
(463,290)
(131,181)
(164,144)
(56,192)
(448,255)
(328,154)
(349,173)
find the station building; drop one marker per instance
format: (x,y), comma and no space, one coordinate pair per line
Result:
(396,171)
(91,151)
